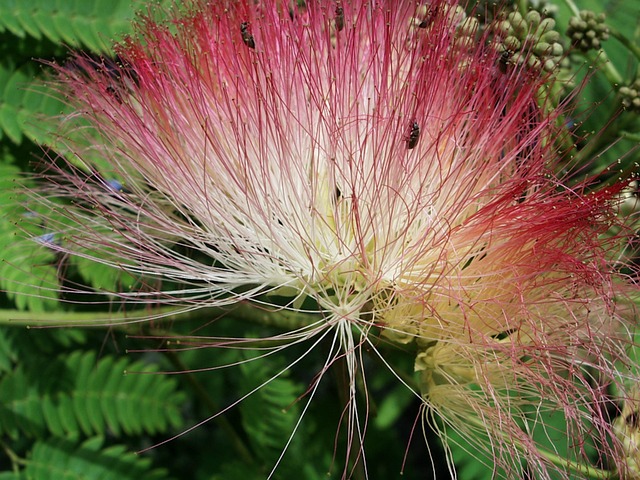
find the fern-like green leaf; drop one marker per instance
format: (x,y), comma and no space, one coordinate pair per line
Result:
(15,408)
(11,82)
(270,414)
(77,23)
(28,275)
(8,354)
(46,342)
(28,272)
(25,102)
(102,277)
(87,395)
(11,476)
(63,459)
(24,99)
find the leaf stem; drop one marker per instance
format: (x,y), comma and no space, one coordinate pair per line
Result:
(585,471)
(523,7)
(284,319)
(634,137)
(573,7)
(603,64)
(630,45)
(16,461)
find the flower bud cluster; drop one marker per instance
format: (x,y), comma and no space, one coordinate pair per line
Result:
(546,7)
(588,31)
(631,96)
(529,40)
(466,27)
(466,33)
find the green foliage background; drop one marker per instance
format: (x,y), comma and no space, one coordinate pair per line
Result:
(77,403)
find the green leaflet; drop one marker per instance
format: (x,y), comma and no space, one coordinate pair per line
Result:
(104,278)
(58,458)
(270,414)
(93,25)
(269,417)
(83,394)
(29,26)
(24,104)
(28,272)
(7,352)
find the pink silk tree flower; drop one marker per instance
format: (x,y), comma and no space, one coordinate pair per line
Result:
(378,159)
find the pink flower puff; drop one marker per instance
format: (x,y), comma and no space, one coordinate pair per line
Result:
(377,160)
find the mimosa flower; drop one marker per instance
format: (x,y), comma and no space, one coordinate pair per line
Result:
(370,158)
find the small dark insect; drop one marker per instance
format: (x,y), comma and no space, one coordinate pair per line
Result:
(428,19)
(414,135)
(111,90)
(247,38)
(118,75)
(505,60)
(339,18)
(505,334)
(337,194)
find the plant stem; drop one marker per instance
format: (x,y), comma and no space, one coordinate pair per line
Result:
(585,471)
(630,45)
(634,137)
(603,63)
(276,318)
(16,461)
(573,7)
(523,7)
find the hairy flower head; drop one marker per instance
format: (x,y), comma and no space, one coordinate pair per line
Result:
(370,160)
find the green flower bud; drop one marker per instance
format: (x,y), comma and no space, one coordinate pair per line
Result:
(533,19)
(588,31)
(530,40)
(630,96)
